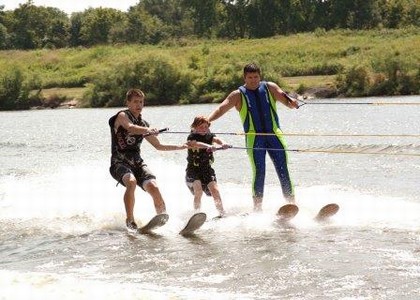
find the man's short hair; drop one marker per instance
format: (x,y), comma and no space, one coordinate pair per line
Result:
(252,68)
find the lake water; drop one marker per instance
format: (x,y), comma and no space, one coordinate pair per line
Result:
(63,236)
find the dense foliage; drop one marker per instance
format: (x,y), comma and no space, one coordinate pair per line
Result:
(154,21)
(193,51)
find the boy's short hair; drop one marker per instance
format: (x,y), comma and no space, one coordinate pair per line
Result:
(134,93)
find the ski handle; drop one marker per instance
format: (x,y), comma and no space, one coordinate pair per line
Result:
(219,148)
(160,131)
(290,99)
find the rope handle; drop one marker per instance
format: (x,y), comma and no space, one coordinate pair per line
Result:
(160,131)
(213,149)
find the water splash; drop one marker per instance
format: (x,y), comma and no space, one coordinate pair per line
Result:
(82,198)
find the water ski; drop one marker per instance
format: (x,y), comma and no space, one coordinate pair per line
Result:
(156,222)
(194,223)
(287,212)
(327,211)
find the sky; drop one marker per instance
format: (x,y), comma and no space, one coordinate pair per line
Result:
(73,6)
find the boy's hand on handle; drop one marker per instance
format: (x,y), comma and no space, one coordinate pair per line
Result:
(154,131)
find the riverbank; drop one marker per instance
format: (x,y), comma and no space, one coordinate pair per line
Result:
(315,87)
(61,98)
(316,65)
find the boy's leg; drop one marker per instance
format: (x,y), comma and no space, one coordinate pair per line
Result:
(130,184)
(151,187)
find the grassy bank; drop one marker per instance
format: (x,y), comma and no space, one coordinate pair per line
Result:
(207,70)
(313,84)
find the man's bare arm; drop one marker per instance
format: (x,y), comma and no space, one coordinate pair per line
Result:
(233,100)
(281,96)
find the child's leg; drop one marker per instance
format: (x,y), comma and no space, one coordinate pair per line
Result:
(214,189)
(198,193)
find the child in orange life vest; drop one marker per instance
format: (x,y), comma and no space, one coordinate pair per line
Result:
(200,176)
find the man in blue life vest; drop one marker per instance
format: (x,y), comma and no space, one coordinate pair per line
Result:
(256,104)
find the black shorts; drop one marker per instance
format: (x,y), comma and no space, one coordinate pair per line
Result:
(205,175)
(141,173)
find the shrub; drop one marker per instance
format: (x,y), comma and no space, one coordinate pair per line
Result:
(354,82)
(393,78)
(301,89)
(160,80)
(13,93)
(215,82)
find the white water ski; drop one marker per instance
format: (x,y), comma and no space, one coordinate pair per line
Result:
(326,212)
(156,222)
(287,212)
(194,223)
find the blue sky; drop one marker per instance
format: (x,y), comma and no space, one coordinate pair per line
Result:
(72,6)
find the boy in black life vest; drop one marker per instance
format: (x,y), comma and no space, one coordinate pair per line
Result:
(128,130)
(200,176)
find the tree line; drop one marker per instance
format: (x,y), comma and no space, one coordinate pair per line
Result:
(156,21)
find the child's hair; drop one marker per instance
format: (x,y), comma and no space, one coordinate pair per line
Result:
(199,120)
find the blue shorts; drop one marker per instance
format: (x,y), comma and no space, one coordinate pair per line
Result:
(141,173)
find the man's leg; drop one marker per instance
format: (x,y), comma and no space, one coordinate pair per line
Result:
(257,203)
(257,160)
(279,158)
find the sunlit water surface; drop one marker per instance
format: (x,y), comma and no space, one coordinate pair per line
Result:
(62,231)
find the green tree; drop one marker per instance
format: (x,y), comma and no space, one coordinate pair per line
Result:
(262,18)
(97,23)
(203,14)
(27,29)
(303,15)
(169,15)
(353,14)
(412,13)
(4,37)
(33,27)
(75,36)
(398,13)
(233,16)
(144,28)
(57,35)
